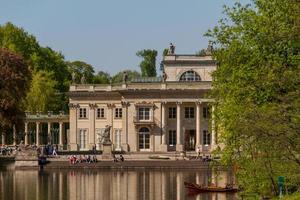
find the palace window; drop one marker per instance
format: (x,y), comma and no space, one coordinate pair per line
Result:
(190,76)
(206,137)
(172,112)
(172,137)
(206,112)
(118,112)
(144,113)
(189,112)
(82,138)
(82,113)
(100,113)
(144,138)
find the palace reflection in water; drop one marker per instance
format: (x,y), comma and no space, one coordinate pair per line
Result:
(108,184)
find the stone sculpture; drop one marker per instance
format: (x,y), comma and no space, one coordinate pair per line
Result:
(105,136)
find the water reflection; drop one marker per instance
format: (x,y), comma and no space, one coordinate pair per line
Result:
(109,184)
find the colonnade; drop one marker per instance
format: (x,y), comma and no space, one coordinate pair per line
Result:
(38,131)
(179,125)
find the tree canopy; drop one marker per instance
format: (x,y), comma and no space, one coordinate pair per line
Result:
(101,78)
(14,82)
(148,65)
(38,58)
(42,94)
(257,90)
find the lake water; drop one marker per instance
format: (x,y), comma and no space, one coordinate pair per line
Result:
(98,184)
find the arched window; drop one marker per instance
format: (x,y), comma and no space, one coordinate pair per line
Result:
(144,138)
(190,76)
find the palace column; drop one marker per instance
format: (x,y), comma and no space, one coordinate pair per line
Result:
(14,135)
(49,139)
(213,132)
(73,127)
(3,138)
(179,146)
(60,134)
(110,117)
(92,126)
(37,138)
(124,133)
(26,133)
(164,146)
(198,124)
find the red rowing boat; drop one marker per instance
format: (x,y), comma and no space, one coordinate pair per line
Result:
(195,188)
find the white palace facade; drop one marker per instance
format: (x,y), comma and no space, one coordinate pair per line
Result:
(165,114)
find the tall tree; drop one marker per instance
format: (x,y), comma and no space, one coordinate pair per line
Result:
(14,82)
(148,65)
(257,89)
(42,94)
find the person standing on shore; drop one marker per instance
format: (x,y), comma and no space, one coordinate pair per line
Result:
(54,153)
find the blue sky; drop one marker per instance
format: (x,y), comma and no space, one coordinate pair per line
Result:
(108,33)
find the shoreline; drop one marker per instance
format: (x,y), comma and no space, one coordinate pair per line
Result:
(132,164)
(109,164)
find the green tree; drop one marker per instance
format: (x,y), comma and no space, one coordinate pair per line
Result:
(48,60)
(101,78)
(38,58)
(118,78)
(14,82)
(18,41)
(165,52)
(42,94)
(148,65)
(81,68)
(256,87)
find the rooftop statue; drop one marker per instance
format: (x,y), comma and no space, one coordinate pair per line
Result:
(171,49)
(164,77)
(209,50)
(125,77)
(82,80)
(73,77)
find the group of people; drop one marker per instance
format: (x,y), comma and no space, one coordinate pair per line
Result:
(6,150)
(205,158)
(83,159)
(49,150)
(117,159)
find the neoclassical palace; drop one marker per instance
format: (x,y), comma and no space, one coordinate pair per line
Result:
(171,113)
(161,114)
